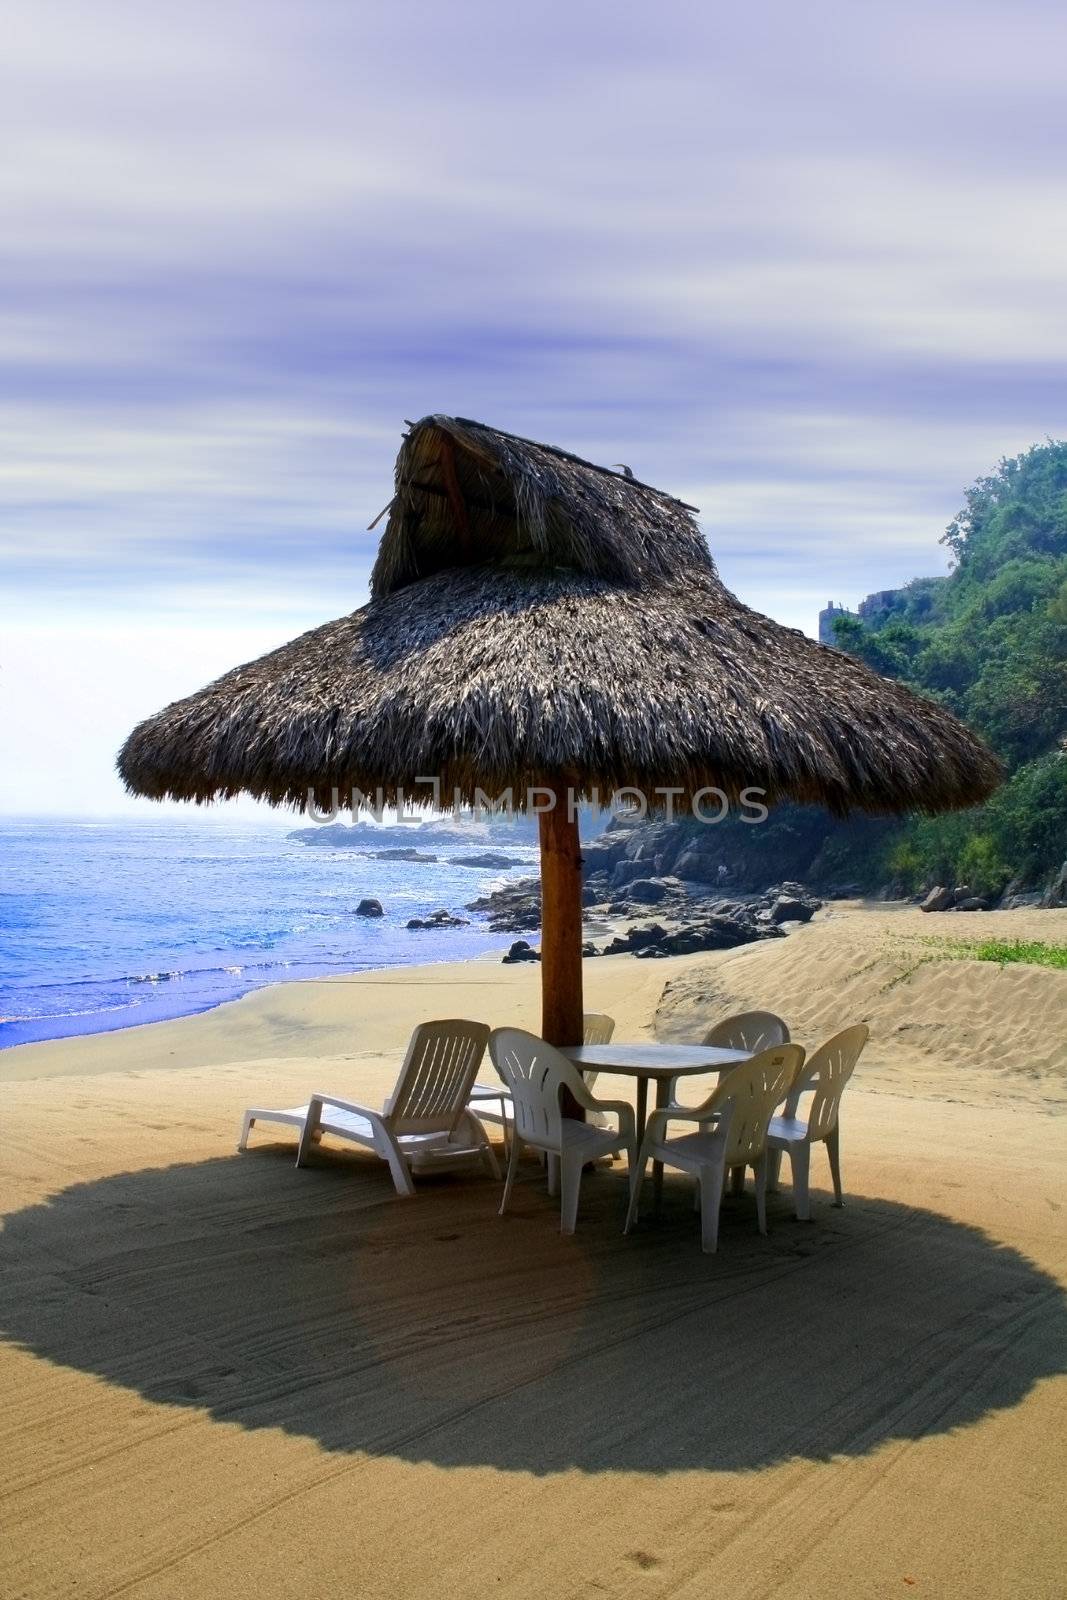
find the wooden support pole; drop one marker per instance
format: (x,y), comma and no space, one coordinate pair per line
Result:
(561,922)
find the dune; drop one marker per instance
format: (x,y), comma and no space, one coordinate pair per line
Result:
(225,1377)
(942,1026)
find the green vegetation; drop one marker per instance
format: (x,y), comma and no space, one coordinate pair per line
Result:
(1002,951)
(990,642)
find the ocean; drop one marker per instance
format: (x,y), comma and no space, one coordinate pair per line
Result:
(104,924)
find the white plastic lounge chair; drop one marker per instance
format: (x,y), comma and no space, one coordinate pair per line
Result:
(491,1100)
(825,1074)
(731,1132)
(425,1120)
(535,1072)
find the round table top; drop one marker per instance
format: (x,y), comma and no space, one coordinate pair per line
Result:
(654,1060)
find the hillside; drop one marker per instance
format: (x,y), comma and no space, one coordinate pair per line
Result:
(943,1024)
(990,642)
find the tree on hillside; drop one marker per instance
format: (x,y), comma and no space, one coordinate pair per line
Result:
(1020,509)
(990,642)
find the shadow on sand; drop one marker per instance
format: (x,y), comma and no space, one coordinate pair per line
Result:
(431,1330)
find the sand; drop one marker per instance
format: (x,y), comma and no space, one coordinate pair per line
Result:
(222,1376)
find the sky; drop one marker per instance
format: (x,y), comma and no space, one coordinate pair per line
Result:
(804,265)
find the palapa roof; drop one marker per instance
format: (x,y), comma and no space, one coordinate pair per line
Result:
(532,616)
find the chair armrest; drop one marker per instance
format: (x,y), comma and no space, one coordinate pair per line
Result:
(663,1115)
(320,1100)
(620,1108)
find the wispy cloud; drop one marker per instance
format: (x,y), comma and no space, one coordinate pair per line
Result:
(806,265)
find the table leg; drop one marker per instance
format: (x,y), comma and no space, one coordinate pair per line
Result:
(641,1114)
(663,1098)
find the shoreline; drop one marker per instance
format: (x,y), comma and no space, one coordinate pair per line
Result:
(943,1027)
(108,927)
(96,1026)
(241,1009)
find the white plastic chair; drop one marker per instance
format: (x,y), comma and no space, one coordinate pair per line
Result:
(825,1076)
(597,1028)
(535,1073)
(748,1030)
(424,1122)
(491,1101)
(731,1133)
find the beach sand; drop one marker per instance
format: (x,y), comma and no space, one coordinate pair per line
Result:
(222,1376)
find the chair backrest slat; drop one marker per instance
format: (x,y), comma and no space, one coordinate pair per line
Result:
(749,1030)
(434,1084)
(535,1072)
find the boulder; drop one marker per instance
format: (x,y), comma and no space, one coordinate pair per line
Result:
(787,908)
(647,891)
(1056,894)
(370,908)
(624,872)
(707,936)
(601,854)
(939,899)
(698,863)
(973,902)
(731,928)
(520,951)
(687,941)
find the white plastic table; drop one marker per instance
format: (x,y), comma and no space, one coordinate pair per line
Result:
(661,1062)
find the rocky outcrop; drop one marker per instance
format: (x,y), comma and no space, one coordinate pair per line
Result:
(402,854)
(514,908)
(1055,896)
(707,930)
(369,908)
(489,858)
(438,919)
(939,899)
(685,918)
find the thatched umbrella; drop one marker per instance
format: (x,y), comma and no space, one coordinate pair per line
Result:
(539,622)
